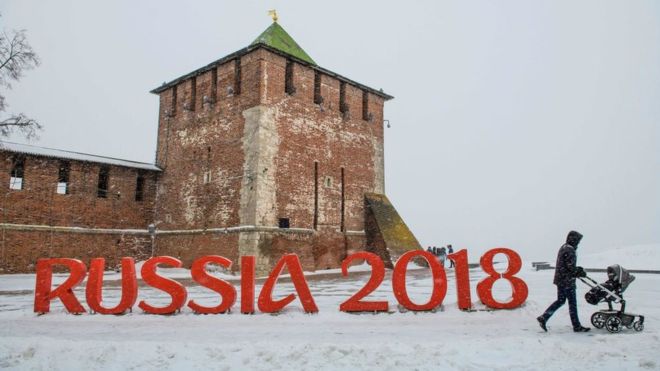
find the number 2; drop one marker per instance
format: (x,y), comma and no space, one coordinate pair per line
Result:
(355,303)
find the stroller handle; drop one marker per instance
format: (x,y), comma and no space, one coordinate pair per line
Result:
(585,278)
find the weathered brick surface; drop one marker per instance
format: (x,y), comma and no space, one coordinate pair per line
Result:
(22,249)
(38,204)
(188,247)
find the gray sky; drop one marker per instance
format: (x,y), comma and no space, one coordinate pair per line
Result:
(513,122)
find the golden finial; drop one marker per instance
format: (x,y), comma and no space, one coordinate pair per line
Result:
(273,14)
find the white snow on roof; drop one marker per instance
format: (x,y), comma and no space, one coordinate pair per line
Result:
(58,153)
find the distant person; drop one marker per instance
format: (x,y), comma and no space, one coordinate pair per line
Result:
(434,251)
(428,249)
(450,250)
(565,273)
(442,256)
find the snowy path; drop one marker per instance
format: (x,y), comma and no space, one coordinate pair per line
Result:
(329,340)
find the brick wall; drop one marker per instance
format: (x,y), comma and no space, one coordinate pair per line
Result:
(22,248)
(39,222)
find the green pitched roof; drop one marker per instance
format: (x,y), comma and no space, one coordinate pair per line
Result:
(277,38)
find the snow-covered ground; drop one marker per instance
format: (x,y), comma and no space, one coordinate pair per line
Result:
(332,340)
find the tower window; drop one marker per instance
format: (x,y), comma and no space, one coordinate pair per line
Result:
(318,99)
(139,187)
(316,194)
(328,182)
(288,78)
(104,177)
(174,99)
(365,105)
(237,76)
(284,223)
(207,177)
(343,107)
(342,225)
(17,173)
(214,84)
(193,93)
(63,178)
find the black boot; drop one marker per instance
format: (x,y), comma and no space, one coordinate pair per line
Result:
(581,329)
(541,320)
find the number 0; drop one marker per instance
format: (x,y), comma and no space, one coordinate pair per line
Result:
(399,281)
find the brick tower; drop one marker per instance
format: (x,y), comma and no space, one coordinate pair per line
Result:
(263,152)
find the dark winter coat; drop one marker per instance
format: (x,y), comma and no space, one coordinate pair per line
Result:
(566,267)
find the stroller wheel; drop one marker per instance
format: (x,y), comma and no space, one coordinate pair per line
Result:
(638,325)
(598,319)
(613,324)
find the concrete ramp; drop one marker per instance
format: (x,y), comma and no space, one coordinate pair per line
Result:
(388,236)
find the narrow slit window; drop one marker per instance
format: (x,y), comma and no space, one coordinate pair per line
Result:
(193,93)
(17,174)
(343,202)
(318,99)
(214,84)
(316,194)
(174,98)
(284,223)
(288,78)
(207,173)
(343,107)
(237,76)
(104,177)
(139,187)
(63,178)
(365,105)
(207,177)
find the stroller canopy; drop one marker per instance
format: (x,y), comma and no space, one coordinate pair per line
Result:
(619,275)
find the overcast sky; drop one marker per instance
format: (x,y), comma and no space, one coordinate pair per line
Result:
(513,121)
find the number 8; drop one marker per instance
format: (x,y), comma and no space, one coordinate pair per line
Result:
(519,289)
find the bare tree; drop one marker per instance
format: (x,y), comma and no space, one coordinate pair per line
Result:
(16,56)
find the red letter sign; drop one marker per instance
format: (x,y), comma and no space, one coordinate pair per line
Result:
(266,302)
(42,292)
(247,284)
(129,287)
(399,281)
(462,279)
(222,287)
(173,288)
(518,287)
(355,303)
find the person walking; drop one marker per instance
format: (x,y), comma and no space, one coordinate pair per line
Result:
(450,250)
(566,271)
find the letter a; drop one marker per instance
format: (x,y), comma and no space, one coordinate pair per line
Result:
(266,302)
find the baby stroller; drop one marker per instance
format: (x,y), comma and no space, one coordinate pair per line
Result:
(610,292)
